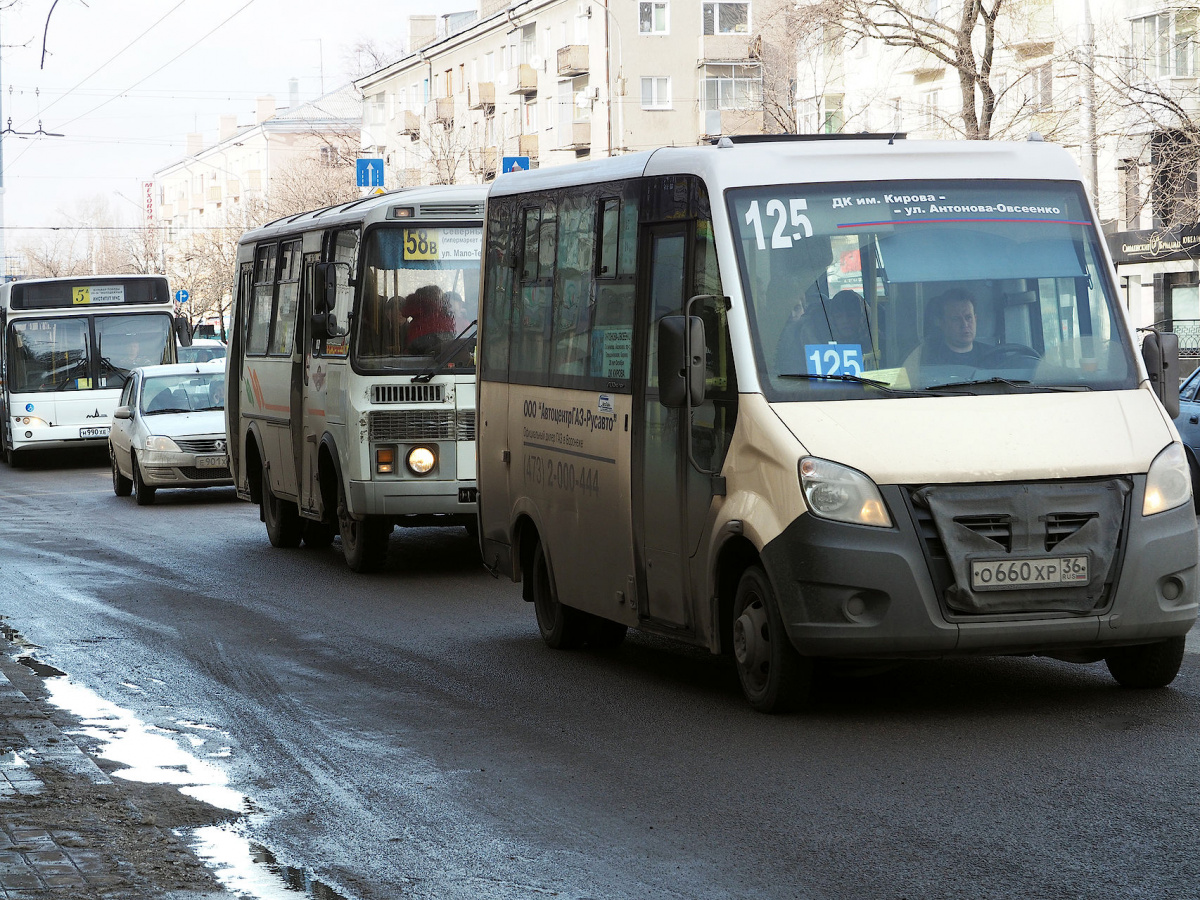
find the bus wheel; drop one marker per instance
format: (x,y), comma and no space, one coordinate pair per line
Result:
(280,516)
(318,534)
(122,486)
(1146,665)
(562,627)
(142,492)
(364,541)
(13,458)
(775,678)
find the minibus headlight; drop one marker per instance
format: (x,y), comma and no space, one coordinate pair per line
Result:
(421,460)
(1169,481)
(836,492)
(161,443)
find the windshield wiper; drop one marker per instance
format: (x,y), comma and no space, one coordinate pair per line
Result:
(169,409)
(850,379)
(1017,383)
(207,408)
(72,373)
(449,350)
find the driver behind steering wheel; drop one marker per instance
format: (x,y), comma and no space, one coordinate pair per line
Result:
(953,344)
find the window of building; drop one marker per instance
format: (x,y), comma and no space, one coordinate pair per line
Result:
(652,18)
(731,87)
(725,17)
(489,67)
(1131,193)
(833,120)
(930,115)
(1039,89)
(897,115)
(1165,44)
(656,93)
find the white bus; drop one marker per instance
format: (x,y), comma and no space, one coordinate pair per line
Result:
(68,346)
(804,399)
(351,363)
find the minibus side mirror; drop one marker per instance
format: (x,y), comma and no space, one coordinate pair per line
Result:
(123,412)
(323,325)
(680,375)
(1160,352)
(183,331)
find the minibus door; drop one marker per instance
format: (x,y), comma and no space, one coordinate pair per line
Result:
(235,378)
(307,412)
(660,467)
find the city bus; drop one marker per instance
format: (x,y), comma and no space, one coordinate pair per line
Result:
(807,400)
(68,347)
(351,369)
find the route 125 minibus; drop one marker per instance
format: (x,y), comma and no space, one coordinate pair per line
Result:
(805,399)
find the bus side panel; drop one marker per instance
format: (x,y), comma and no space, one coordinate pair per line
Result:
(571,459)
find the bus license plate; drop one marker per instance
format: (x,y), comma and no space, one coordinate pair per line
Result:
(210,462)
(992,574)
(93,432)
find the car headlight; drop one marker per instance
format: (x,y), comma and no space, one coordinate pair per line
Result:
(1169,481)
(162,443)
(421,460)
(843,494)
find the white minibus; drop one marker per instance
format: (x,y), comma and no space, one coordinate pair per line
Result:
(799,399)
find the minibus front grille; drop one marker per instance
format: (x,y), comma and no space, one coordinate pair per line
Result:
(465,430)
(408,393)
(1060,526)
(413,425)
(997,529)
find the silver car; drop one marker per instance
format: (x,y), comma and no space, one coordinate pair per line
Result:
(169,430)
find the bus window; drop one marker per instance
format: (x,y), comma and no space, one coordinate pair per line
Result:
(48,355)
(288,300)
(258,317)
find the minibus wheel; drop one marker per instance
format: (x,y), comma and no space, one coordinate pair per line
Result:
(775,678)
(364,541)
(1146,665)
(281,517)
(562,627)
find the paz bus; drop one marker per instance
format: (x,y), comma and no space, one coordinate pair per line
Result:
(68,347)
(798,400)
(351,369)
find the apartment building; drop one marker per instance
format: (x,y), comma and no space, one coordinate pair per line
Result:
(560,80)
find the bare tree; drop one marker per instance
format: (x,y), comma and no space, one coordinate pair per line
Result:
(369,55)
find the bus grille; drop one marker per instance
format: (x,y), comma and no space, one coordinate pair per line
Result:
(408,393)
(466,425)
(413,425)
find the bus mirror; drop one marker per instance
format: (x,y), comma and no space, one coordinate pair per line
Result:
(325,274)
(183,331)
(319,327)
(680,374)
(1160,352)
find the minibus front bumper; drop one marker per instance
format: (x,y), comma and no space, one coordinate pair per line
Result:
(408,497)
(860,592)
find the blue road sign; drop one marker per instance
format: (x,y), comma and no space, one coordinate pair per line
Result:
(369,172)
(181,296)
(514,164)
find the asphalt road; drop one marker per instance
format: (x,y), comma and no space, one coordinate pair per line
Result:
(408,734)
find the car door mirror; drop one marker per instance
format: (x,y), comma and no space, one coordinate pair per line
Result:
(123,412)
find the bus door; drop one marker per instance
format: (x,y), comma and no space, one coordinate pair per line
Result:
(307,397)
(236,376)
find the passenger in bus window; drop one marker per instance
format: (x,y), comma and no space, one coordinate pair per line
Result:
(430,320)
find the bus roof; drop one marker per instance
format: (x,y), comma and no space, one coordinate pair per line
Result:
(453,201)
(800,161)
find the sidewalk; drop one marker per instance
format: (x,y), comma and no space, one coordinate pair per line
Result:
(67,830)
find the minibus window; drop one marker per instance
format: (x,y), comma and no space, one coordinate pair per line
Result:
(924,286)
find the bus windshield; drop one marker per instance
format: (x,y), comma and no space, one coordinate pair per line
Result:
(893,288)
(420,291)
(56,354)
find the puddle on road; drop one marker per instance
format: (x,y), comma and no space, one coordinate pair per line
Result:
(152,755)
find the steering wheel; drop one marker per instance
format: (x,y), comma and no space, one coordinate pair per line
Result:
(1006,356)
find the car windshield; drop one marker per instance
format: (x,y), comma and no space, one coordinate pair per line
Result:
(420,291)
(189,392)
(941,287)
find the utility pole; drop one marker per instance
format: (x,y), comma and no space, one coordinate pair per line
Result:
(3,248)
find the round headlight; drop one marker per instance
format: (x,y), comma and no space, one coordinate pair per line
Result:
(421,460)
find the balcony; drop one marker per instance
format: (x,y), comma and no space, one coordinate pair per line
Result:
(572,60)
(166,211)
(410,123)
(527,145)
(524,80)
(578,136)
(483,161)
(214,193)
(481,95)
(443,110)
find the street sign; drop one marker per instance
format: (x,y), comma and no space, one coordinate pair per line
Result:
(369,172)
(514,164)
(181,296)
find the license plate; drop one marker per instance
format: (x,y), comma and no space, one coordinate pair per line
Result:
(994,574)
(93,432)
(211,462)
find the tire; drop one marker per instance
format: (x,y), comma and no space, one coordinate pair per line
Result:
(142,492)
(562,627)
(14,459)
(775,678)
(284,526)
(364,541)
(1146,665)
(318,534)
(122,486)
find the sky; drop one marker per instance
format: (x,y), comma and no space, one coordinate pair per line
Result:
(125,81)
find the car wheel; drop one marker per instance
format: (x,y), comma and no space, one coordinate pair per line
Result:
(562,627)
(282,518)
(122,486)
(142,492)
(1146,665)
(364,541)
(775,678)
